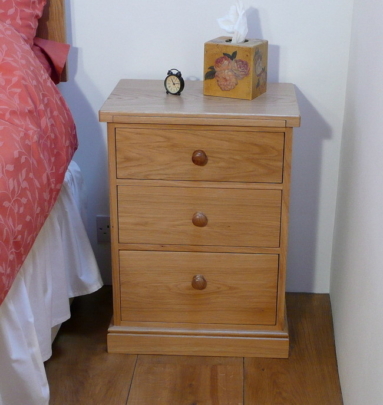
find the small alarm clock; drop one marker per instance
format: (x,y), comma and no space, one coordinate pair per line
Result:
(174,83)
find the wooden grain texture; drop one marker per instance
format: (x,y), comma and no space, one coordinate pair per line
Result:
(52,25)
(80,370)
(172,344)
(309,376)
(281,307)
(157,287)
(180,380)
(199,248)
(138,100)
(114,222)
(200,184)
(163,215)
(231,203)
(231,156)
(192,329)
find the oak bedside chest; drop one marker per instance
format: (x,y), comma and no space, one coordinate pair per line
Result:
(199,198)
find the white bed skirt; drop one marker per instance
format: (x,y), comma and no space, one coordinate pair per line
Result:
(60,265)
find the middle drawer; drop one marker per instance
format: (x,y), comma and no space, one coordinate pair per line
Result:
(199,216)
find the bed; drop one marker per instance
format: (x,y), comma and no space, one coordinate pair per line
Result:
(45,254)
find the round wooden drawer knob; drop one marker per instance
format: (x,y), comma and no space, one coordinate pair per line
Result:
(199,219)
(199,282)
(199,158)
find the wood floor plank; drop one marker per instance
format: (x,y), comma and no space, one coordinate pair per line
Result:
(187,380)
(80,370)
(310,375)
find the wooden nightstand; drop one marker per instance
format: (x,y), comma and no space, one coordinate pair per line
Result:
(199,195)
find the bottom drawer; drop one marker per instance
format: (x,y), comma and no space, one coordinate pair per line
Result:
(232,288)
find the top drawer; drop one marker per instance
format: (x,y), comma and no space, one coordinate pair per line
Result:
(200,155)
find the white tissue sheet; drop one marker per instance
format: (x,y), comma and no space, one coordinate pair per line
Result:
(60,265)
(235,23)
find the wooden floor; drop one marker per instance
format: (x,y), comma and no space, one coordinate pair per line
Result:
(81,372)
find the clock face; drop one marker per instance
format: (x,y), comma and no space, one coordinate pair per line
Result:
(173,84)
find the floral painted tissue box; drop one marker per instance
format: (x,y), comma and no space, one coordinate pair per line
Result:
(235,70)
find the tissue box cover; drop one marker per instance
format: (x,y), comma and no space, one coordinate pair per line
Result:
(235,70)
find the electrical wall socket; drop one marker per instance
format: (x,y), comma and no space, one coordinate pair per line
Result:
(103,228)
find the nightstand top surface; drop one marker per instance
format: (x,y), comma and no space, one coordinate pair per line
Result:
(145,101)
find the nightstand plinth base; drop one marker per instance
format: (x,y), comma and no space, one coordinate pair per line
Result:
(245,343)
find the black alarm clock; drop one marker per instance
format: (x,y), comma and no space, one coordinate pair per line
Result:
(174,83)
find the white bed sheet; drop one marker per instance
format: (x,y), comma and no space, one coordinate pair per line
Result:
(60,265)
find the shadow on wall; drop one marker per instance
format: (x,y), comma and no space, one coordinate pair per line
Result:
(91,157)
(304,199)
(306,172)
(255,32)
(306,167)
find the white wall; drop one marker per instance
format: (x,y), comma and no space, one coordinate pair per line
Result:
(357,274)
(308,46)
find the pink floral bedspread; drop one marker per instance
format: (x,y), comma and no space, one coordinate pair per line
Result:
(37,142)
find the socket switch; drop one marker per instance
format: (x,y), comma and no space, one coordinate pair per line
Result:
(103,228)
